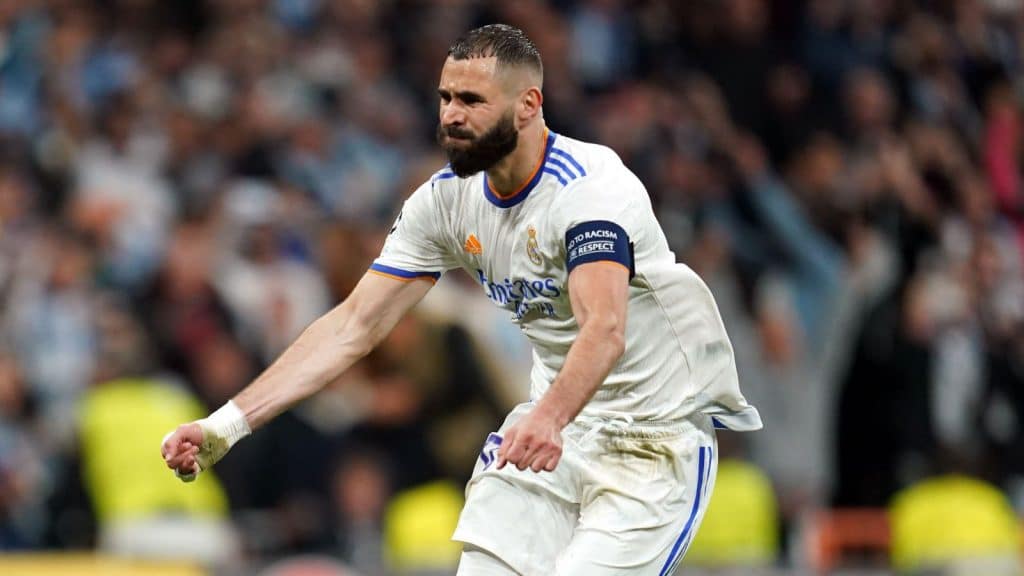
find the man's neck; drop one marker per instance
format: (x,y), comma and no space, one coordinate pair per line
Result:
(511,174)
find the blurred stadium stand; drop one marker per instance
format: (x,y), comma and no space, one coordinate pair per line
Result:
(91,565)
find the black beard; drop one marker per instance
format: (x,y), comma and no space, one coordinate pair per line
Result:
(483,151)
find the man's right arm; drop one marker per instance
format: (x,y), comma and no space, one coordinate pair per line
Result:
(327,348)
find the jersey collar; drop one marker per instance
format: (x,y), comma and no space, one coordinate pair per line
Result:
(524,190)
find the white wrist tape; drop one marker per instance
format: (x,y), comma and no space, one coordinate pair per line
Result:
(227,423)
(221,430)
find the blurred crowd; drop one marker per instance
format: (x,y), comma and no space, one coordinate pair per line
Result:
(185,185)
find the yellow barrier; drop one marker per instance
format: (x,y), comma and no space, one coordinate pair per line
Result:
(90,565)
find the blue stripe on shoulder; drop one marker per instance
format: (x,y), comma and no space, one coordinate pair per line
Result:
(556,174)
(443,174)
(568,171)
(567,156)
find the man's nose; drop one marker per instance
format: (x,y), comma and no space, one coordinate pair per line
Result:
(453,115)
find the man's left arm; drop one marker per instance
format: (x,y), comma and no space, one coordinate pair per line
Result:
(598,292)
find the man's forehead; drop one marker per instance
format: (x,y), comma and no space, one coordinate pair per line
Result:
(470,70)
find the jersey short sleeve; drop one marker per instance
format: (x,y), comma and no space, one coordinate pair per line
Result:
(415,247)
(595,222)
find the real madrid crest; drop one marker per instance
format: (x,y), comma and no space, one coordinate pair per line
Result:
(532,249)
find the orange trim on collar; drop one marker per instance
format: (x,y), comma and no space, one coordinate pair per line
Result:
(540,163)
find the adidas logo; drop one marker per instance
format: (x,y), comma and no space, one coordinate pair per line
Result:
(473,246)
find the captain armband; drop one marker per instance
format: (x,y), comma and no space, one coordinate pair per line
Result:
(597,241)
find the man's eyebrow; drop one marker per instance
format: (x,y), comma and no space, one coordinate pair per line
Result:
(464,95)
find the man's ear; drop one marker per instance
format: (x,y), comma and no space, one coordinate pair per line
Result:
(529,105)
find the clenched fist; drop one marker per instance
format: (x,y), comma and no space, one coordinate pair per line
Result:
(180,450)
(197,446)
(535,442)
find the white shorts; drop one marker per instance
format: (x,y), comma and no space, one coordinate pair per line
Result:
(620,502)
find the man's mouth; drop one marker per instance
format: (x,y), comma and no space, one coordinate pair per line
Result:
(458,135)
(458,140)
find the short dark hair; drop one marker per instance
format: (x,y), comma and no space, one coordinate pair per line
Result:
(508,44)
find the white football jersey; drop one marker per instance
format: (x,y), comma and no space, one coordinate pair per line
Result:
(581,205)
